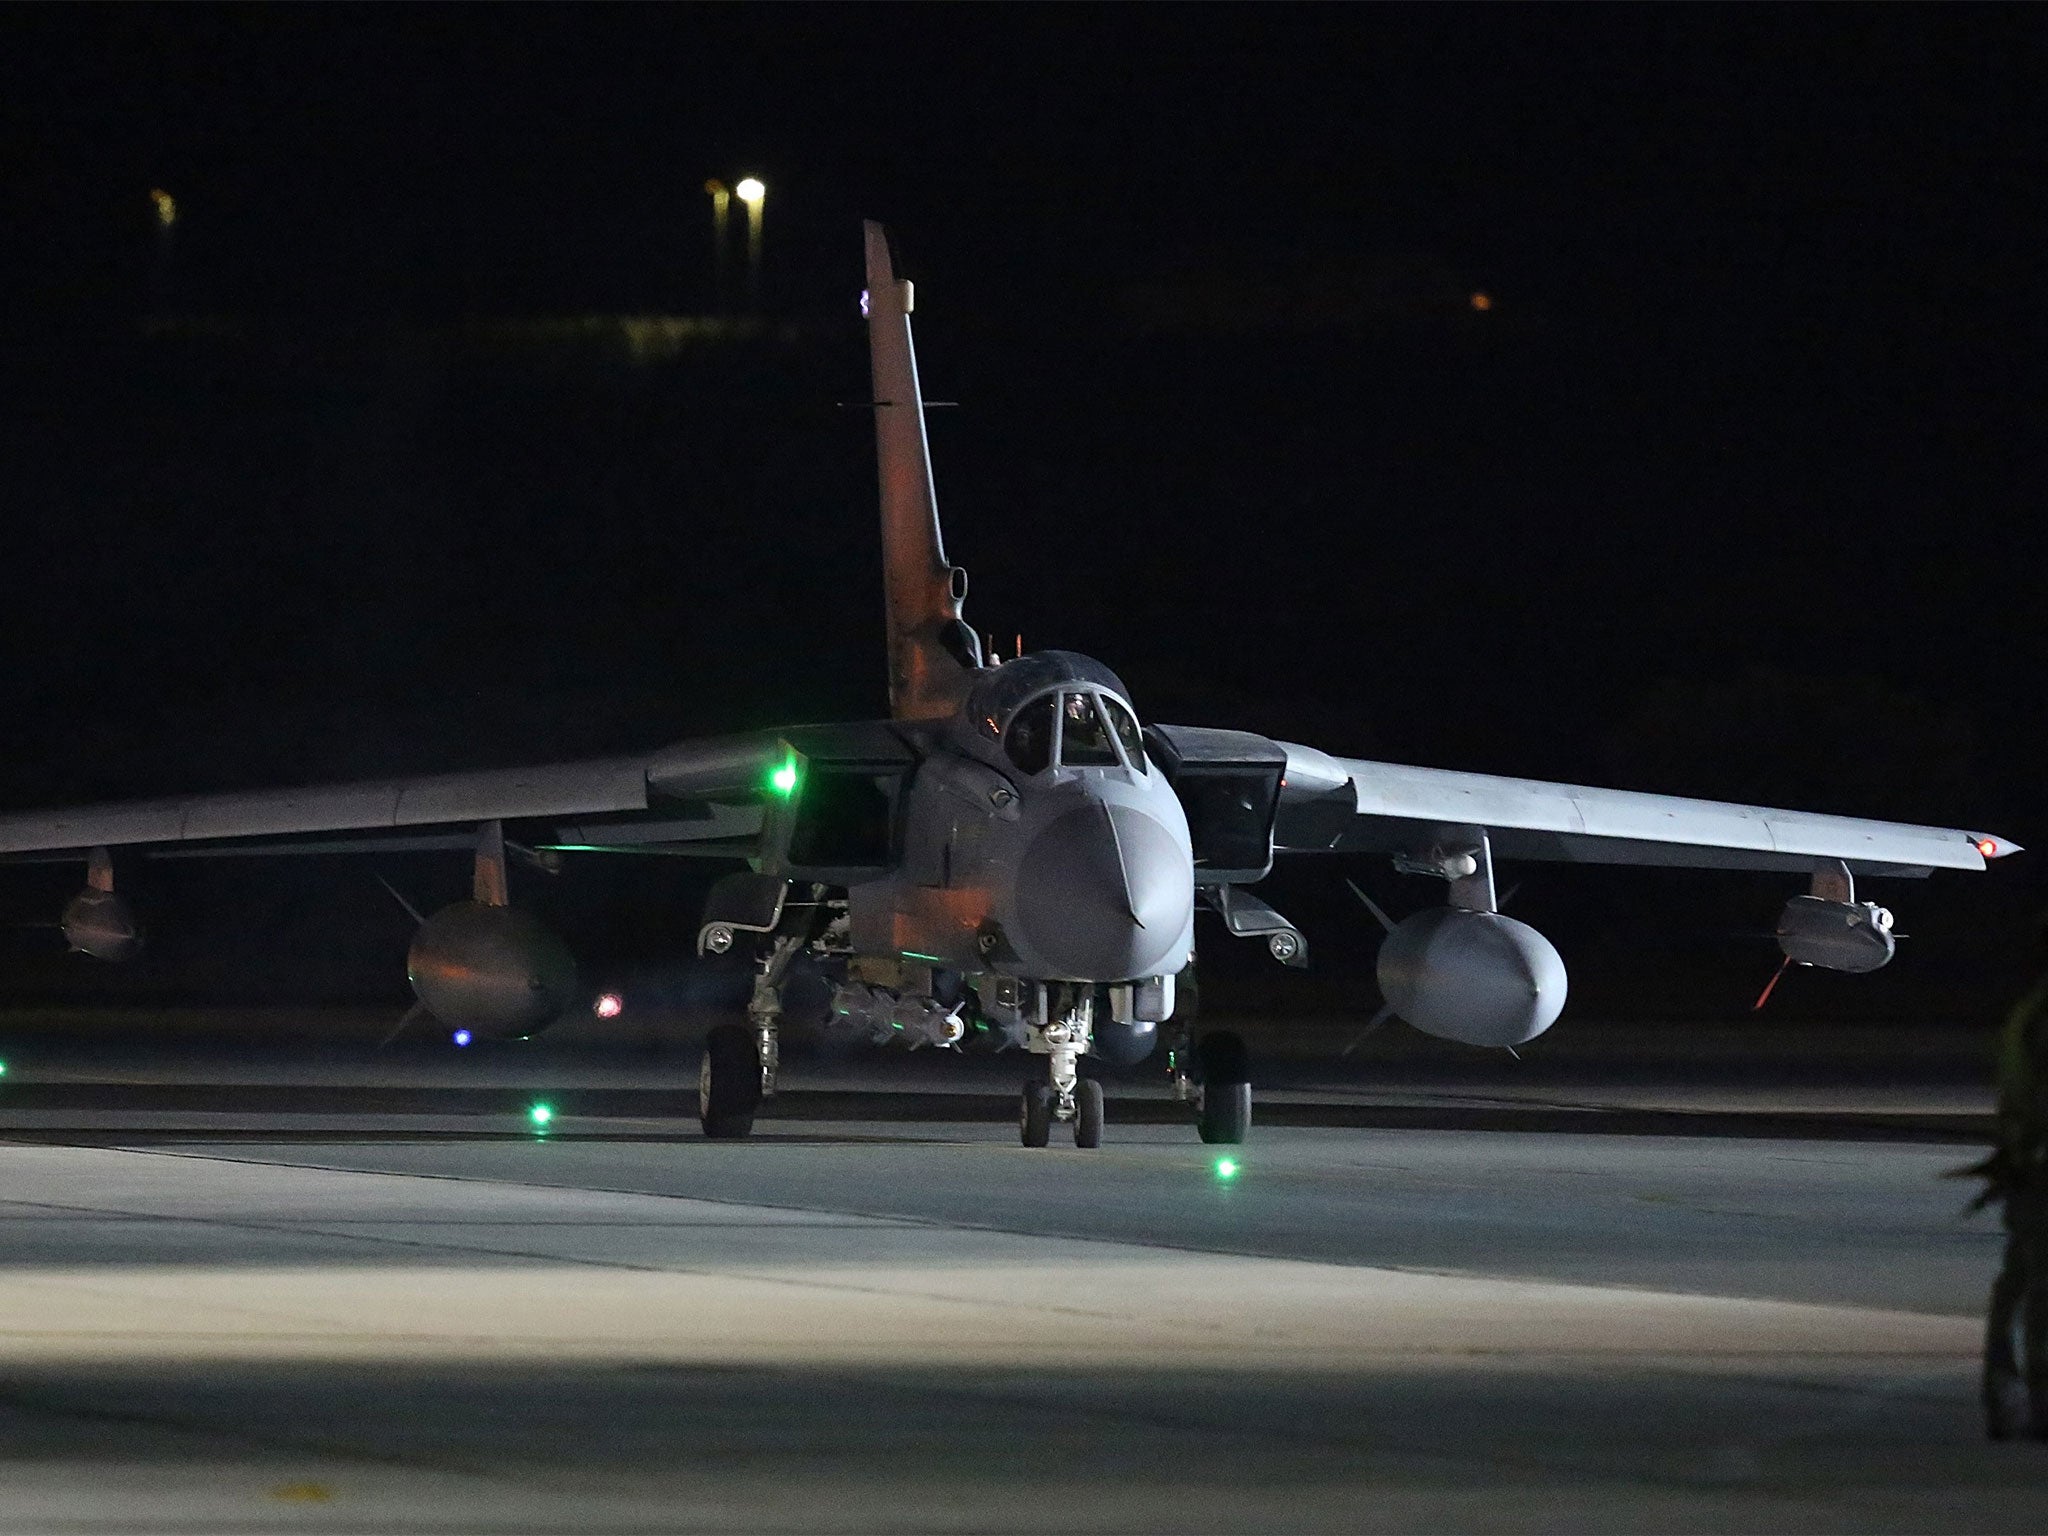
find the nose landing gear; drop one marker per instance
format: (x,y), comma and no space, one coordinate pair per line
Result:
(1041,1107)
(1067,1097)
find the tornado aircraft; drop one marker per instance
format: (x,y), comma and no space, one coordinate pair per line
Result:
(1011,858)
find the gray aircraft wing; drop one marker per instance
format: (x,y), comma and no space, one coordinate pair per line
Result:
(701,796)
(1339,805)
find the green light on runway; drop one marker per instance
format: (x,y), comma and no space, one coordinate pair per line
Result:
(1226,1169)
(541,1115)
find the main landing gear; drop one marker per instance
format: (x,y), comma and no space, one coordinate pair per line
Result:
(1218,1088)
(729,1083)
(740,1060)
(1212,1073)
(1067,1097)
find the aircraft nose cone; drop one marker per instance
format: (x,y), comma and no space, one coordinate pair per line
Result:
(1103,894)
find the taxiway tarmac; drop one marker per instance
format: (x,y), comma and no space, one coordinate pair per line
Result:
(870,1325)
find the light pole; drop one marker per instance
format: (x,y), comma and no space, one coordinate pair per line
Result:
(753,194)
(721,213)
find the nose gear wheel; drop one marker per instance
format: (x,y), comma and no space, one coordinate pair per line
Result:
(1088,1114)
(1034,1120)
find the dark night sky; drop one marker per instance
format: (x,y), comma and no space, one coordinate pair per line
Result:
(1731,492)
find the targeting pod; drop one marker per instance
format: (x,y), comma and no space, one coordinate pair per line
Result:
(1852,936)
(1124,1042)
(1830,928)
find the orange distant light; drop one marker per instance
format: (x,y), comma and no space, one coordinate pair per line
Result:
(1482,302)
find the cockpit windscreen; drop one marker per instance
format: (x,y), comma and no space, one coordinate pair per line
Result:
(1076,728)
(1126,730)
(1084,739)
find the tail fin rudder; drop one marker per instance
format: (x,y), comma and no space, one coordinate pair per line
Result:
(932,652)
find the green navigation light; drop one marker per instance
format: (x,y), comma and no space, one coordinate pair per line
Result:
(541,1115)
(1226,1169)
(783,779)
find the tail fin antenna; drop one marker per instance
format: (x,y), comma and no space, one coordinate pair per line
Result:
(932,652)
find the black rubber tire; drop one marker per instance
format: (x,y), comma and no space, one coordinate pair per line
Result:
(1034,1117)
(1223,1066)
(729,1083)
(1226,1116)
(1087,1113)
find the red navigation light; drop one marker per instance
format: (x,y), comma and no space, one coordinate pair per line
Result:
(610,1006)
(1988,846)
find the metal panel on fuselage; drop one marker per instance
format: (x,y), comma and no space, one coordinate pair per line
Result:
(959,839)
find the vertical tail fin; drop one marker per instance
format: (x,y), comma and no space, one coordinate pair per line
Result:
(932,652)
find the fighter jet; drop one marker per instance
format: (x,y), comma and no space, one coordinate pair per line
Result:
(1010,858)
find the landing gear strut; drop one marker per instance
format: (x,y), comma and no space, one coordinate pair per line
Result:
(1067,1096)
(740,1061)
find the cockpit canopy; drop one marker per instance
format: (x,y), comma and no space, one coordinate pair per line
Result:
(1058,708)
(1075,728)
